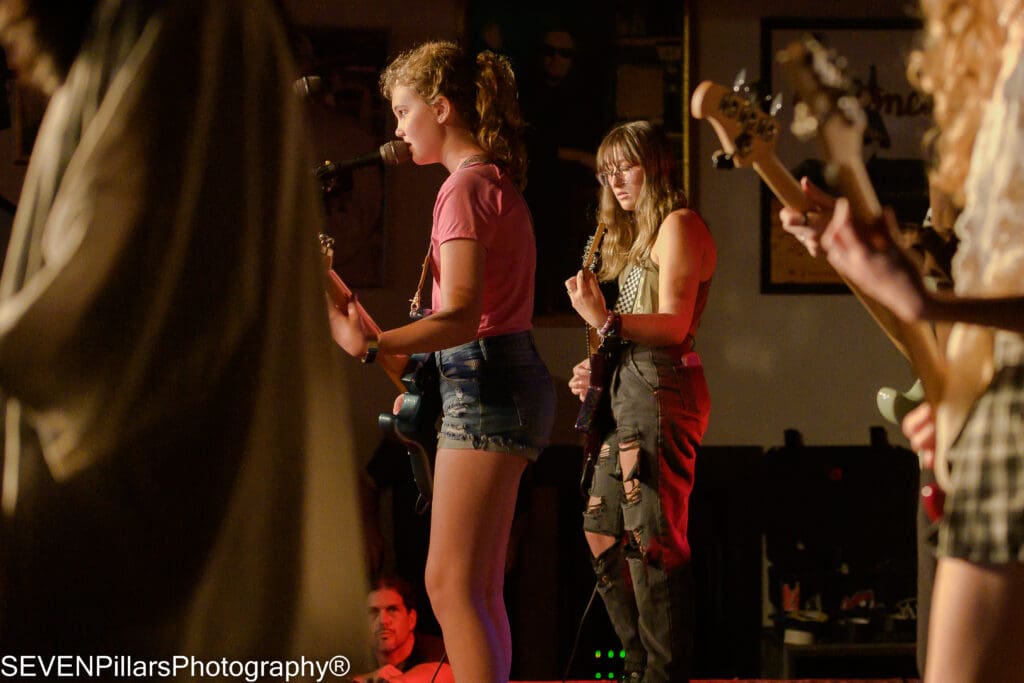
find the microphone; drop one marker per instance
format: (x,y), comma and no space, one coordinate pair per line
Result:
(308,86)
(390,154)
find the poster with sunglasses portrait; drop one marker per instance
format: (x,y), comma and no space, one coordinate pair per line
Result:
(581,66)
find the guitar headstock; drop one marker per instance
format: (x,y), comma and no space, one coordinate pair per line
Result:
(823,88)
(592,251)
(828,106)
(327,250)
(747,133)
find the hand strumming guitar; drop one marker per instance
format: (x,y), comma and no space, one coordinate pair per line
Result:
(807,226)
(580,381)
(587,298)
(868,257)
(919,428)
(347,326)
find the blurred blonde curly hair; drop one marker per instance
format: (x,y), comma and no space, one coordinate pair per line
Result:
(482,89)
(957,64)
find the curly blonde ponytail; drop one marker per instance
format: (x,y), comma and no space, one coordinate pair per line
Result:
(482,90)
(500,122)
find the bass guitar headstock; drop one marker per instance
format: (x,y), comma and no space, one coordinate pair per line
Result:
(746,132)
(828,107)
(748,135)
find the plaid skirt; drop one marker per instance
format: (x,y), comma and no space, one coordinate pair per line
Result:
(983,518)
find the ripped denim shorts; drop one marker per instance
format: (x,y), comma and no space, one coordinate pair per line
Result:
(497,396)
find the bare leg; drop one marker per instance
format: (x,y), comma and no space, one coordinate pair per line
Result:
(469,529)
(977,623)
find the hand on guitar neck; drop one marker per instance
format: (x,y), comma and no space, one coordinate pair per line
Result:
(351,326)
(414,414)
(859,240)
(748,137)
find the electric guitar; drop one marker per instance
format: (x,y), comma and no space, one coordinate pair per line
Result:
(415,376)
(594,407)
(748,136)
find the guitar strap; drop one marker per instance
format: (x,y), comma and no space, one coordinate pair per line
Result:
(630,289)
(415,307)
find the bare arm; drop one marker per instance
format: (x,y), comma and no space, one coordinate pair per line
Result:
(685,257)
(886,274)
(1006,313)
(462,277)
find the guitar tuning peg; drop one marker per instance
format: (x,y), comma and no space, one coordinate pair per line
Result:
(831,173)
(740,80)
(722,160)
(776,105)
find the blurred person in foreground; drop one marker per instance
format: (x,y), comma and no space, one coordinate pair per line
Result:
(175,428)
(972,63)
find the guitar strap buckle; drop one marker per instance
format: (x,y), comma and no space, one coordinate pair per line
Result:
(416,310)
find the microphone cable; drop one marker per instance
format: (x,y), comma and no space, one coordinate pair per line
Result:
(439,665)
(579,632)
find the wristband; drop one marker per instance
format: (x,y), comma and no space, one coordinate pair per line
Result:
(372,347)
(612,325)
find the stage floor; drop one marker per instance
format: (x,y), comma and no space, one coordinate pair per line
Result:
(769,680)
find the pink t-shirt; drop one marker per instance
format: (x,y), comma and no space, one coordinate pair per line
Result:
(480,202)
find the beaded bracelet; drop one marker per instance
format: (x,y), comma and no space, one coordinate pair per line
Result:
(612,325)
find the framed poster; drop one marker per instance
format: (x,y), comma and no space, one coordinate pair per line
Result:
(876,51)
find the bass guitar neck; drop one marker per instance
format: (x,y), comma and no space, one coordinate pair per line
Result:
(748,136)
(393,364)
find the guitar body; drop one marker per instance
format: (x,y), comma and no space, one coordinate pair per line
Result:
(416,376)
(415,424)
(595,414)
(595,409)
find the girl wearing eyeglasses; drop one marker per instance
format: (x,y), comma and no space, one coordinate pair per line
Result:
(460,110)
(663,256)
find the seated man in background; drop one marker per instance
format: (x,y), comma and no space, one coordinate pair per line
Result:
(402,655)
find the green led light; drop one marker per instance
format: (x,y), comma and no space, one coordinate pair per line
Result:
(597,654)
(622,654)
(597,676)
(611,676)
(611,654)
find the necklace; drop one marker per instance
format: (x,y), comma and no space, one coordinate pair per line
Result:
(474,159)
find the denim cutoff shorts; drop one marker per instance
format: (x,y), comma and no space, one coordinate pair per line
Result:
(497,395)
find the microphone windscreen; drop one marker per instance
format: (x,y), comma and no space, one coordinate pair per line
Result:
(395,152)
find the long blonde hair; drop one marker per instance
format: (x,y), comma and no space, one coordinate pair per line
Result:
(482,90)
(630,234)
(957,65)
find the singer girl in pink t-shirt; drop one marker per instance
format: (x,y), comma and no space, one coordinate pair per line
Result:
(461,111)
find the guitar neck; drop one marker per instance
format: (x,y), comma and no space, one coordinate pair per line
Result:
(781,182)
(393,364)
(593,339)
(916,342)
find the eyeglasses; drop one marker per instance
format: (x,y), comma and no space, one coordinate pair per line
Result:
(551,51)
(618,174)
